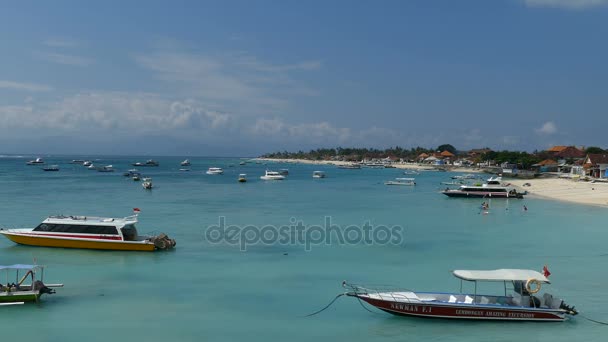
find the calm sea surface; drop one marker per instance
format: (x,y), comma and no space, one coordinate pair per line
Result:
(219,292)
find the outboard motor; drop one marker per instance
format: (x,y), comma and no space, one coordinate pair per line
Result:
(571,310)
(39,286)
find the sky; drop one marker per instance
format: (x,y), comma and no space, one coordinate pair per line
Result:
(242,78)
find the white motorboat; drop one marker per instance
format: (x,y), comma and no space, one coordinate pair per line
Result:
(318,174)
(147,183)
(401,181)
(51,168)
(186,163)
(37,161)
(87,163)
(215,171)
(107,168)
(272,175)
(92,167)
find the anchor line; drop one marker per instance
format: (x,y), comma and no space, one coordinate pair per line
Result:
(327,306)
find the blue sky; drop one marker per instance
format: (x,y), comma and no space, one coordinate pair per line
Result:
(247,77)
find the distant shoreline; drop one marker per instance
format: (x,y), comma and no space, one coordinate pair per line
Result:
(557,189)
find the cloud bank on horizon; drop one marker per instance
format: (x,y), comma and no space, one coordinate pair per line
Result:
(263,79)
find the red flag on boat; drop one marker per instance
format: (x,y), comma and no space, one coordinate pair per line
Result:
(136,210)
(546,272)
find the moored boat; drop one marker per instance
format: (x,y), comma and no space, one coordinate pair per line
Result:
(350,166)
(185,163)
(107,168)
(147,183)
(215,171)
(272,175)
(521,302)
(482,191)
(284,172)
(401,181)
(89,233)
(51,168)
(242,178)
(20,292)
(37,161)
(318,174)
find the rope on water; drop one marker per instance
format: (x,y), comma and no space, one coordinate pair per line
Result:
(327,306)
(594,321)
(362,305)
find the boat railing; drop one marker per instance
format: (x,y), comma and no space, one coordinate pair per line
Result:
(382,292)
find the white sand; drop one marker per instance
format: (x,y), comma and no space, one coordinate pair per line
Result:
(564,190)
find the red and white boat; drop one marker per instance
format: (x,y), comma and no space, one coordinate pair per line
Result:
(521,300)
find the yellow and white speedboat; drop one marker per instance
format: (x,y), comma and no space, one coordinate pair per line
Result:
(89,233)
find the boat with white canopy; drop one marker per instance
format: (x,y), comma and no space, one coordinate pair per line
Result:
(27,286)
(520,301)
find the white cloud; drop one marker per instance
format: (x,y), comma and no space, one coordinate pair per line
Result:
(24,86)
(547,128)
(566,4)
(61,58)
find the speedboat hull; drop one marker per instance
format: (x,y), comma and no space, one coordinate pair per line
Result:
(463,311)
(75,242)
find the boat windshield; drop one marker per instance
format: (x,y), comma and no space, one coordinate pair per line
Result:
(129,232)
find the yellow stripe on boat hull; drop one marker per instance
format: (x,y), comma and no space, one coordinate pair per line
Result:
(75,243)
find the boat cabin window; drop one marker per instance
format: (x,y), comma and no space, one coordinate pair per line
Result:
(129,232)
(76,228)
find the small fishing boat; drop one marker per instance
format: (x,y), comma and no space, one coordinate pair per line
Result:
(242,178)
(521,302)
(411,172)
(37,161)
(242,163)
(272,175)
(318,174)
(77,161)
(215,171)
(401,181)
(184,170)
(89,233)
(284,172)
(92,167)
(20,292)
(131,173)
(136,178)
(147,183)
(87,163)
(350,166)
(51,168)
(494,180)
(185,163)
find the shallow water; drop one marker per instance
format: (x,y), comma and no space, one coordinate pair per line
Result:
(207,291)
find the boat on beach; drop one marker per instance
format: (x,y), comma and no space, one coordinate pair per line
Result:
(89,233)
(401,181)
(20,292)
(521,300)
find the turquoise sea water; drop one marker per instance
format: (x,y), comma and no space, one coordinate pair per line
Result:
(217,292)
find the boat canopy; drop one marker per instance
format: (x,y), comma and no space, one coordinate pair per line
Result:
(503,274)
(19,267)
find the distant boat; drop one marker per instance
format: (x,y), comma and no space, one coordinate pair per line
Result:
(77,161)
(272,175)
(131,173)
(350,166)
(92,167)
(242,178)
(36,161)
(215,171)
(150,162)
(186,163)
(411,172)
(51,168)
(401,181)
(136,177)
(184,169)
(147,183)
(107,168)
(242,163)
(87,163)
(318,174)
(284,172)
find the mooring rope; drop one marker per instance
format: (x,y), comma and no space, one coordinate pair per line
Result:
(327,306)
(593,320)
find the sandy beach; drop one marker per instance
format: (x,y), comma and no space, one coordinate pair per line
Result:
(564,190)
